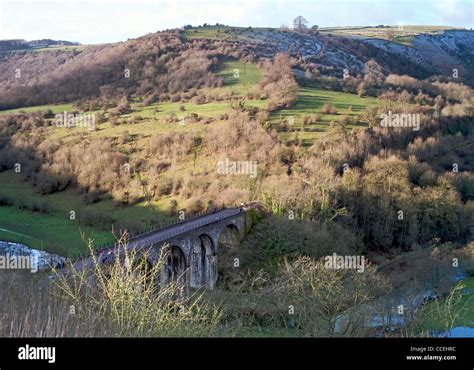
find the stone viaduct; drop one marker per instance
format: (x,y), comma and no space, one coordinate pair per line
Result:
(196,248)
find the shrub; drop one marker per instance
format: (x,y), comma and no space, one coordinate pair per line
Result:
(123,106)
(404,81)
(175,98)
(194,205)
(164,186)
(310,119)
(199,99)
(329,109)
(151,99)
(321,296)
(6,201)
(464,183)
(41,206)
(345,120)
(129,294)
(90,217)
(278,82)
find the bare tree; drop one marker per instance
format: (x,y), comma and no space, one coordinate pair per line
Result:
(300,23)
(390,34)
(373,74)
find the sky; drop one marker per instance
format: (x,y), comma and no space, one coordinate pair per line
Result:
(100,21)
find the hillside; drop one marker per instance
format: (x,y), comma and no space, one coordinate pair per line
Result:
(354,141)
(52,77)
(33,45)
(169,106)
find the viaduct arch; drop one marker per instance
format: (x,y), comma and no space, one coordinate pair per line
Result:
(195,248)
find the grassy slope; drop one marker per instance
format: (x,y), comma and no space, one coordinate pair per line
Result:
(246,77)
(312,100)
(402,34)
(54,231)
(383,33)
(222,32)
(49,232)
(47,228)
(58,108)
(61,47)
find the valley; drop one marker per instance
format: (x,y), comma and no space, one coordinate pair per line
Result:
(300,114)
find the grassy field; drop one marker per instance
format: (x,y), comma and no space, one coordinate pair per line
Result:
(61,47)
(222,32)
(312,100)
(239,76)
(58,108)
(405,40)
(210,32)
(48,232)
(400,34)
(54,231)
(385,32)
(77,48)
